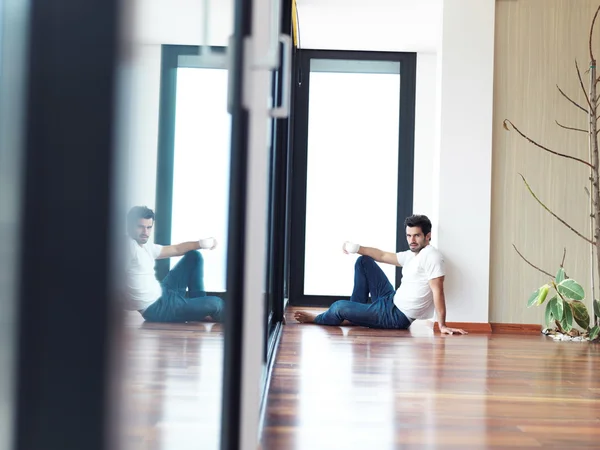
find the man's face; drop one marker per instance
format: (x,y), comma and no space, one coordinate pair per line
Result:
(140,232)
(416,239)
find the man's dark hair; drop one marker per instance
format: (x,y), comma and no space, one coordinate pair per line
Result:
(420,221)
(139,212)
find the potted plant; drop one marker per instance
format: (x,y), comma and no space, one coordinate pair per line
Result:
(565,306)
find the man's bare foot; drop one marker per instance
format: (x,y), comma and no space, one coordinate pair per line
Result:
(304,317)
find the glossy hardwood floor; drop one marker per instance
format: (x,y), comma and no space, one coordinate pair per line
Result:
(355,388)
(172,386)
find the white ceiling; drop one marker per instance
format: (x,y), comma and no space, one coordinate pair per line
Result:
(387,25)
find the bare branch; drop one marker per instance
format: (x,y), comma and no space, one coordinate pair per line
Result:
(570,128)
(554,215)
(587,99)
(562,264)
(592,32)
(531,264)
(568,98)
(544,148)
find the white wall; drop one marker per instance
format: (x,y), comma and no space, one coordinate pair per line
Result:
(384,25)
(141,130)
(463,194)
(179,22)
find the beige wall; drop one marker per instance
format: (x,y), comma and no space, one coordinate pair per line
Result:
(535,47)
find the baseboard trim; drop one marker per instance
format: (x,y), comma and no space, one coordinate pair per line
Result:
(469,327)
(516,328)
(495,328)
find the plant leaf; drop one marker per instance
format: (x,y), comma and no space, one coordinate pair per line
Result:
(560,276)
(594,332)
(567,321)
(539,296)
(571,289)
(597,308)
(543,294)
(580,314)
(533,298)
(558,308)
(549,306)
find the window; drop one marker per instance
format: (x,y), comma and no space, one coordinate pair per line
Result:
(201,167)
(353,166)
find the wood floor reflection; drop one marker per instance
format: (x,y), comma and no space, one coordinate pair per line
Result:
(355,388)
(172,387)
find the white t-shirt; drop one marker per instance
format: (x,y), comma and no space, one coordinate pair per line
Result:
(414,297)
(143,288)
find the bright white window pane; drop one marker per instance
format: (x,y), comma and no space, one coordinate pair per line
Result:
(201,172)
(352,178)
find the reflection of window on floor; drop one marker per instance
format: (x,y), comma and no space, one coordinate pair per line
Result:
(352,178)
(201,167)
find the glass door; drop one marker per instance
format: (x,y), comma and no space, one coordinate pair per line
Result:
(185,147)
(82,165)
(278,187)
(353,162)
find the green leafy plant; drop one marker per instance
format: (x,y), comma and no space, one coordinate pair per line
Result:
(566,306)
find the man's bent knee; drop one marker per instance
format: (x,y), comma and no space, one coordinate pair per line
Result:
(363,259)
(217,306)
(217,303)
(193,255)
(339,307)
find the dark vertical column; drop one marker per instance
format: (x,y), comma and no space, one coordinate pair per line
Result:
(283,144)
(234,311)
(64,307)
(298,171)
(166,154)
(406,149)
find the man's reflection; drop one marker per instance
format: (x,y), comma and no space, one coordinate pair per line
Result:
(166,301)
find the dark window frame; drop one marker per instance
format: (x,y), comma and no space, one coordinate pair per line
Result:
(406,126)
(166,147)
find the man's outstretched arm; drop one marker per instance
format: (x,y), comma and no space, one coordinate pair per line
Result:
(439,300)
(171,251)
(375,253)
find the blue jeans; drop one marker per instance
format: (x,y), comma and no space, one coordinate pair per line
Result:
(174,306)
(380,313)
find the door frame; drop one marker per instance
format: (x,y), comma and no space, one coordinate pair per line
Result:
(406,127)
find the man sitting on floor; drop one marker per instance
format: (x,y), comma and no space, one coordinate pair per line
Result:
(420,292)
(166,301)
